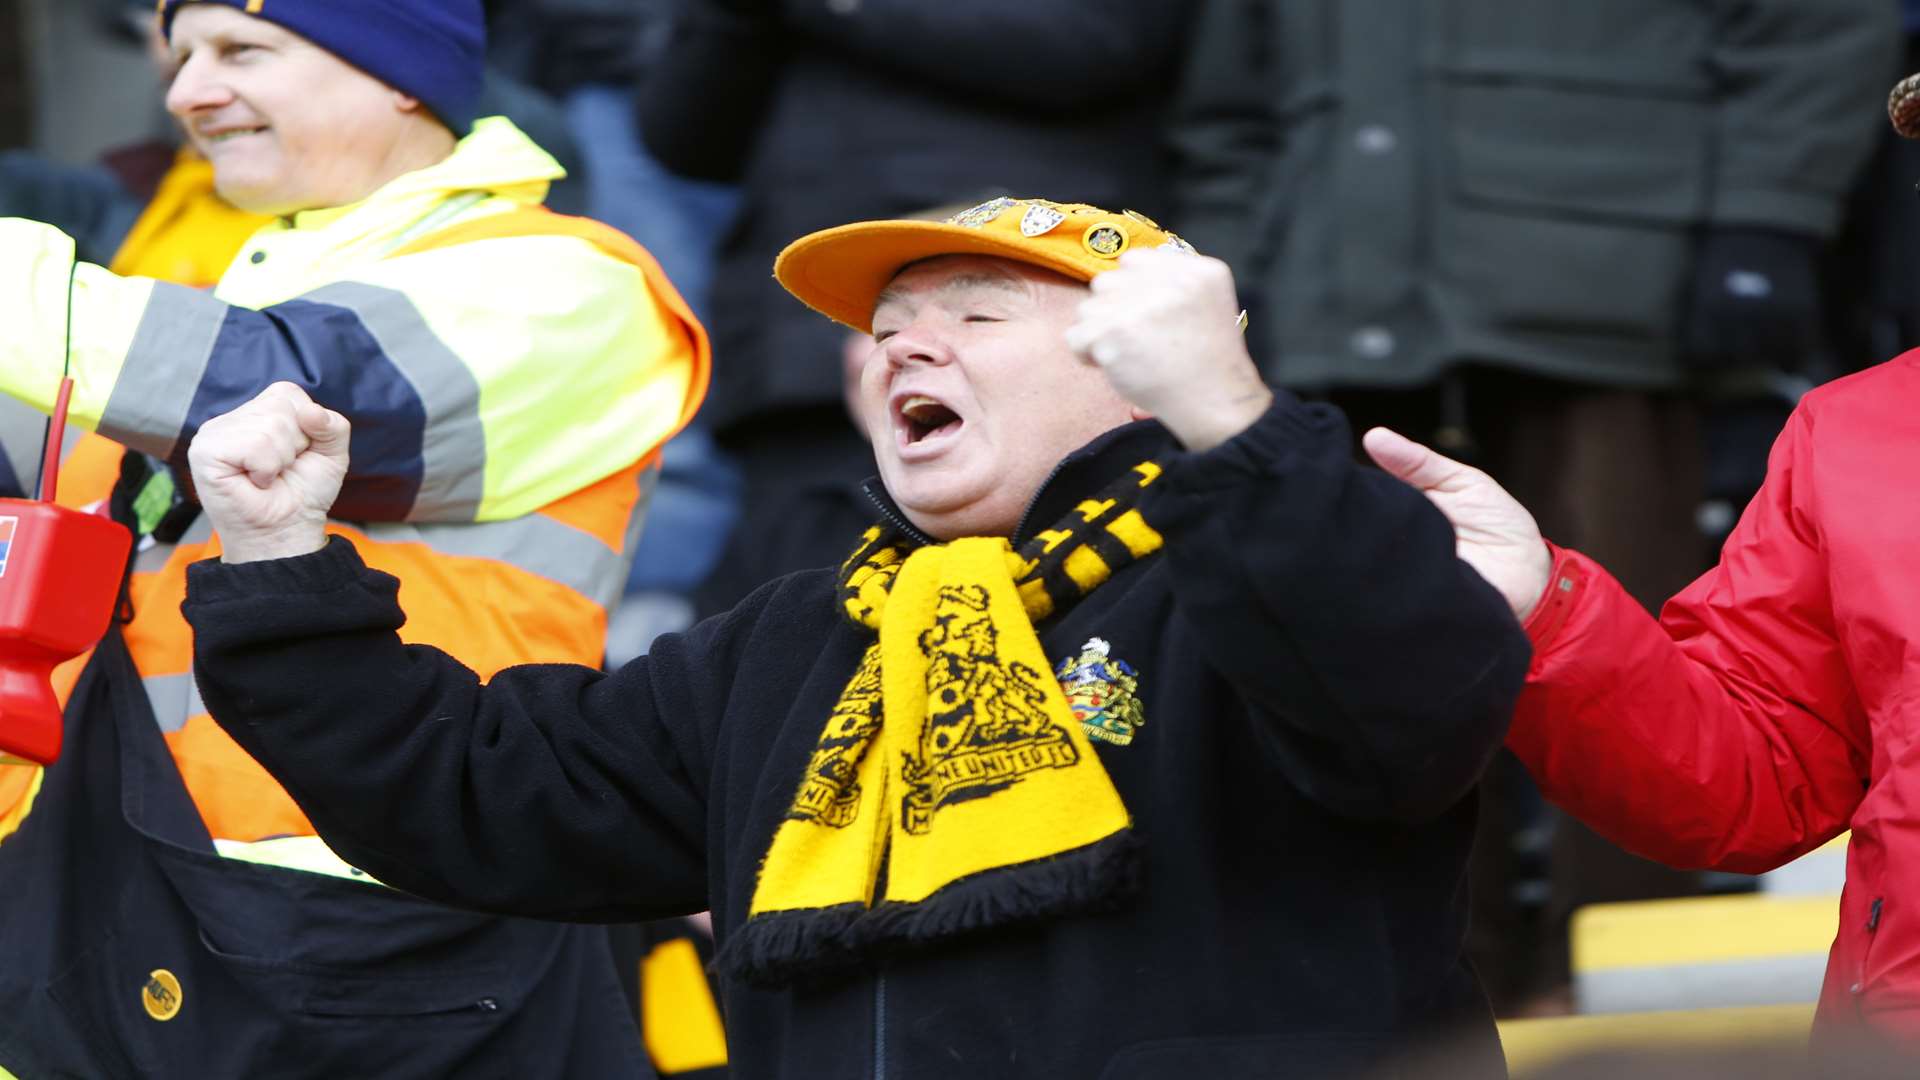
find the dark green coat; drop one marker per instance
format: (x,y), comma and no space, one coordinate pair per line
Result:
(1401,186)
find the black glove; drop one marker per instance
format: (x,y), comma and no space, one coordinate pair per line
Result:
(1754,301)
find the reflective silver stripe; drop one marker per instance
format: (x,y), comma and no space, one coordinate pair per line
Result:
(649,480)
(23,431)
(195,706)
(164,366)
(445,212)
(535,543)
(151,557)
(174,698)
(454,454)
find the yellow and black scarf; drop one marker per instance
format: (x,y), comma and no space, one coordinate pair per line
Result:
(952,789)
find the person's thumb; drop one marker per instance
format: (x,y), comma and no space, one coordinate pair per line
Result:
(1408,461)
(327,431)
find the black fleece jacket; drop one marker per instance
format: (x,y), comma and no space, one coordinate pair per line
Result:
(1323,681)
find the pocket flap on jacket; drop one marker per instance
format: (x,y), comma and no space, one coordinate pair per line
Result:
(1580,150)
(316,990)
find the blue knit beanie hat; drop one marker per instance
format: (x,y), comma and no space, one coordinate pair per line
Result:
(429,49)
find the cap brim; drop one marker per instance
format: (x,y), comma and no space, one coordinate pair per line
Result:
(840,272)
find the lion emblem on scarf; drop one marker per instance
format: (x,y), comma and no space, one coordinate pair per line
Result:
(987,724)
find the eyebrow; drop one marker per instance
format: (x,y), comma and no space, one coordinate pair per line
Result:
(971,280)
(183,47)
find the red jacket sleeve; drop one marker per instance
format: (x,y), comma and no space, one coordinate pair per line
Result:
(1726,735)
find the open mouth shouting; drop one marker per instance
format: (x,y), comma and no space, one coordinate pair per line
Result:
(923,425)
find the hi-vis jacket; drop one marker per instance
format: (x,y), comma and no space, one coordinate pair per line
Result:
(516,371)
(509,374)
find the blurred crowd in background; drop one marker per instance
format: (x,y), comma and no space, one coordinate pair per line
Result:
(1598,250)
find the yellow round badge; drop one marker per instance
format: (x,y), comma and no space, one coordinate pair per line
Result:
(161,995)
(1105,239)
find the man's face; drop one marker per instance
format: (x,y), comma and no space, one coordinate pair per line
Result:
(970,394)
(287,125)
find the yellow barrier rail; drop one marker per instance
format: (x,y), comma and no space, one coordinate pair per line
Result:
(1534,1045)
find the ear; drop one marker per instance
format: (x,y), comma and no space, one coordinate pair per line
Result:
(405,103)
(1139,413)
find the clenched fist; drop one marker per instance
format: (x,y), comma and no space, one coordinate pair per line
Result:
(1164,327)
(267,473)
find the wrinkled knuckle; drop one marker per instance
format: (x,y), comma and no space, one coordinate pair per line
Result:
(247,450)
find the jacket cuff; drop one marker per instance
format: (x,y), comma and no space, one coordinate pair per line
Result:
(1287,427)
(1566,584)
(331,569)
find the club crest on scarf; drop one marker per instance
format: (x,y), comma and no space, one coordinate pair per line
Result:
(985,725)
(1103,691)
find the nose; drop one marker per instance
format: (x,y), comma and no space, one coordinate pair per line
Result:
(916,343)
(195,89)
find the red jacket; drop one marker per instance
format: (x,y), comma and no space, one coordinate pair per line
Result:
(1777,701)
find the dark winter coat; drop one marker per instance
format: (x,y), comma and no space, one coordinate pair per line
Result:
(1322,681)
(828,111)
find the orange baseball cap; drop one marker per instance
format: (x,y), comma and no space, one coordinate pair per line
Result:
(840,272)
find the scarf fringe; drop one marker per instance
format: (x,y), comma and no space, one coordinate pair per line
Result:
(779,949)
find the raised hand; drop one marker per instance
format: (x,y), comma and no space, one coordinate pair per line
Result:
(1164,327)
(1493,533)
(267,473)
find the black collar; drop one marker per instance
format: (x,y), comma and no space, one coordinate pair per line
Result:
(1080,473)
